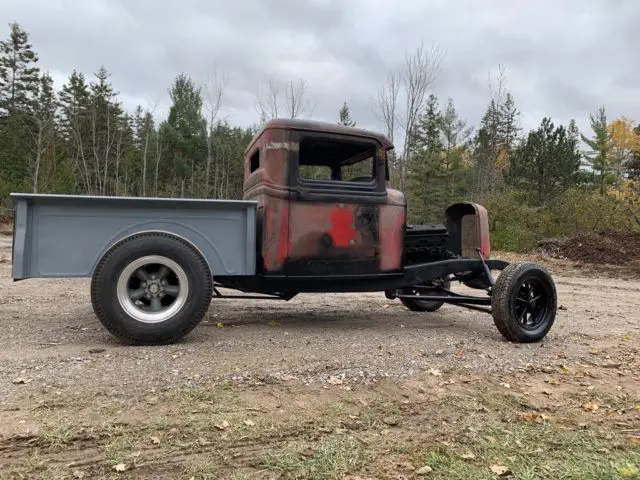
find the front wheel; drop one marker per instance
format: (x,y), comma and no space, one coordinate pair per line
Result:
(151,288)
(524,302)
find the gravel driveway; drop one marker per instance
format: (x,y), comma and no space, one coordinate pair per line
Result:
(51,336)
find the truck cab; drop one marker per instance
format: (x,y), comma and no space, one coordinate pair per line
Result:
(324,205)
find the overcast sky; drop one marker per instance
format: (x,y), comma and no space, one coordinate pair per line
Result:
(563,58)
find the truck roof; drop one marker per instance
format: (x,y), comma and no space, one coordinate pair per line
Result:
(319,126)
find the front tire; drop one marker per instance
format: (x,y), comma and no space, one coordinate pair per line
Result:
(151,289)
(524,302)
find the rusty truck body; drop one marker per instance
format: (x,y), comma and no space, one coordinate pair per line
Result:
(318,215)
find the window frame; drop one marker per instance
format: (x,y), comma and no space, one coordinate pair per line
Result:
(375,187)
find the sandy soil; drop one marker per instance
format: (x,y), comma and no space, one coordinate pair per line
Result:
(58,366)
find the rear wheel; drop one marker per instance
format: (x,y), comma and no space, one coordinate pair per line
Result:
(524,302)
(151,288)
(420,305)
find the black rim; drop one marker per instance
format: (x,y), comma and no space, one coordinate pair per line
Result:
(532,304)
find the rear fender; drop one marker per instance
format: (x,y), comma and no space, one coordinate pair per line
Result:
(468,227)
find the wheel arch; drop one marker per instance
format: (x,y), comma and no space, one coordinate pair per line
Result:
(124,238)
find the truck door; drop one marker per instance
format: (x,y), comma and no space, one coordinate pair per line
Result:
(337,195)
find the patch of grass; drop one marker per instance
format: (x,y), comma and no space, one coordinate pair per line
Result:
(120,449)
(202,471)
(213,395)
(36,467)
(534,452)
(332,457)
(58,435)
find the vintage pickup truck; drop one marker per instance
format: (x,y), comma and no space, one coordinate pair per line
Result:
(317,216)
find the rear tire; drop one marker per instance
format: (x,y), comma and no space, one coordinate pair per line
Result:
(524,302)
(151,289)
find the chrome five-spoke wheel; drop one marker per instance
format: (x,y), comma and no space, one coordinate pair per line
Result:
(152,288)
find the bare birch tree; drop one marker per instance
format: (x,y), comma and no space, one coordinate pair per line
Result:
(293,94)
(214,90)
(297,102)
(266,99)
(400,102)
(386,103)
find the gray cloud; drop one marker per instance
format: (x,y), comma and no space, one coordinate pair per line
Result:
(562,59)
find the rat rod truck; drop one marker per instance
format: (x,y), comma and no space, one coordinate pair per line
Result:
(317,216)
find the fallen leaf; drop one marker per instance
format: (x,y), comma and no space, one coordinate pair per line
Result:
(635,439)
(406,466)
(249,423)
(424,470)
(626,338)
(222,425)
(628,471)
(435,372)
(308,452)
(553,381)
(638,407)
(468,456)
(155,440)
(590,407)
(121,467)
(534,417)
(501,470)
(273,323)
(219,325)
(391,421)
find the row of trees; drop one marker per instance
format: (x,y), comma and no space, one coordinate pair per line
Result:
(81,139)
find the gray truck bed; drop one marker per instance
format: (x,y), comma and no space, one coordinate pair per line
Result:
(66,235)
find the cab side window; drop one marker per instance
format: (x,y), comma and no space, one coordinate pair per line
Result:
(337,161)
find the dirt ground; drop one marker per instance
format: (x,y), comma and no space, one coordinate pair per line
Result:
(323,386)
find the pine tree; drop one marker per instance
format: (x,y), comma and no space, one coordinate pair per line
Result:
(600,144)
(19,86)
(185,134)
(455,134)
(106,119)
(546,162)
(19,73)
(426,187)
(345,116)
(632,166)
(43,131)
(75,123)
(508,127)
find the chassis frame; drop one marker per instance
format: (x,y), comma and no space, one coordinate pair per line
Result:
(418,277)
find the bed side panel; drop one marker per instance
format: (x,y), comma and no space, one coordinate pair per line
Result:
(66,238)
